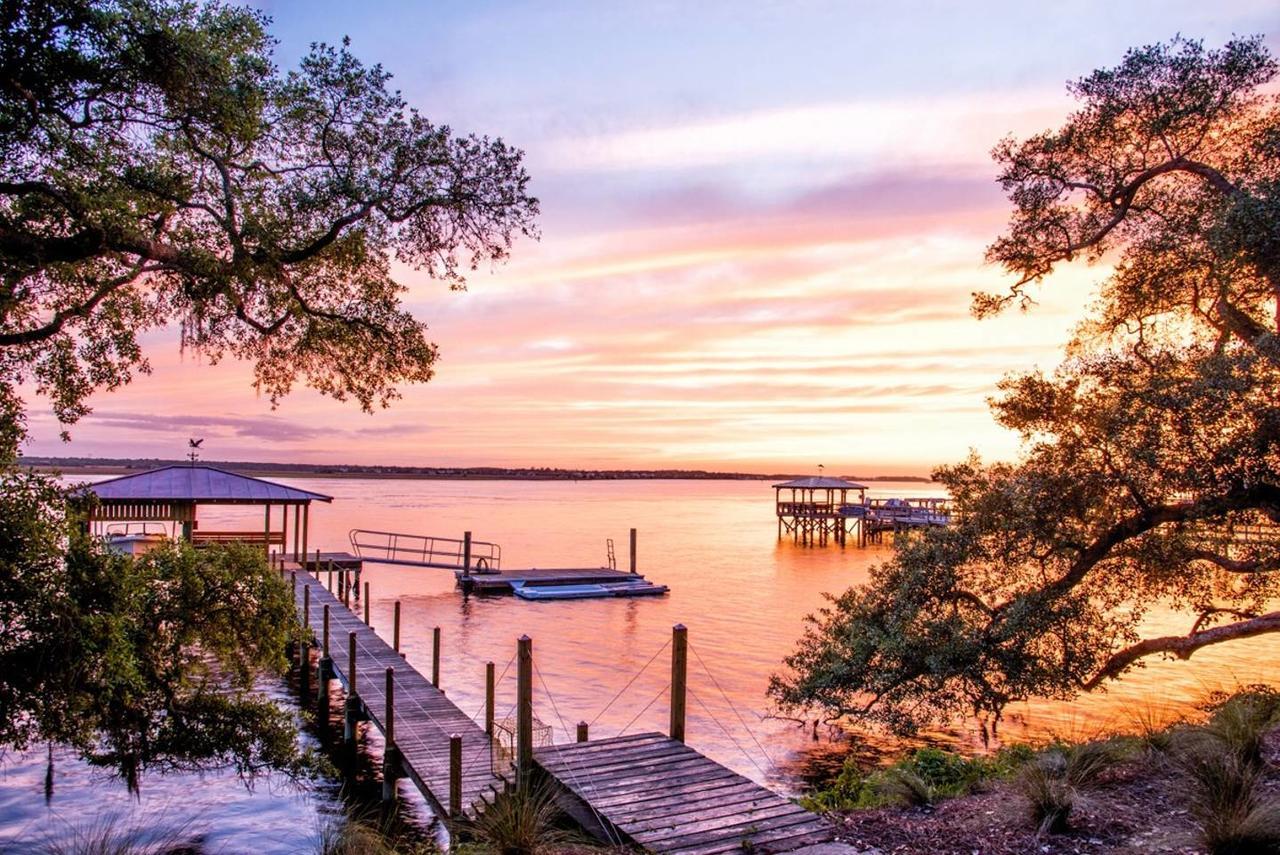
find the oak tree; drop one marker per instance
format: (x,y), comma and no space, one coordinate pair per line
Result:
(1150,473)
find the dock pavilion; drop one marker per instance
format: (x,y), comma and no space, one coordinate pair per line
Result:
(173,494)
(818,508)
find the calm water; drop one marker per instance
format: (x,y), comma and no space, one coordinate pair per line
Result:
(741,593)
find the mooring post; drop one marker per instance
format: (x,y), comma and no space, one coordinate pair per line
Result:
(488,698)
(524,712)
(306,606)
(679,681)
(317,564)
(633,550)
(455,776)
(346,588)
(395,628)
(330,584)
(390,754)
(466,554)
(366,606)
(352,716)
(582,731)
(435,657)
(324,671)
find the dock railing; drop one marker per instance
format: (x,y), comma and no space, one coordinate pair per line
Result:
(421,550)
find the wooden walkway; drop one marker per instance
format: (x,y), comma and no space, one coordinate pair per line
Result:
(661,794)
(647,789)
(424,717)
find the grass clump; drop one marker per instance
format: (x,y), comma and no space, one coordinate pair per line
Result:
(1055,781)
(111,835)
(1224,759)
(522,822)
(923,777)
(364,835)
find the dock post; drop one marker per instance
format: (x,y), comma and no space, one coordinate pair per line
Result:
(390,754)
(488,698)
(679,679)
(366,606)
(345,585)
(330,584)
(633,551)
(324,671)
(352,716)
(582,731)
(455,776)
(435,657)
(317,564)
(466,554)
(524,712)
(293,580)
(395,629)
(306,606)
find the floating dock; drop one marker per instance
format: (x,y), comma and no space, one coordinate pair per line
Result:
(648,789)
(506,581)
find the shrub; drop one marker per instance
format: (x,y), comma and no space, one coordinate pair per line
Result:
(1054,781)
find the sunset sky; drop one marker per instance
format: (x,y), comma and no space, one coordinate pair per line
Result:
(761,226)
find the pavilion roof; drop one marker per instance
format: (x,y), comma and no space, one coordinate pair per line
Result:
(197,483)
(820,483)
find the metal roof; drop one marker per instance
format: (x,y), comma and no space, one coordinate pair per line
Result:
(197,483)
(818,483)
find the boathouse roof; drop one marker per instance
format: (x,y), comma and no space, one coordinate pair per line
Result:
(820,483)
(198,483)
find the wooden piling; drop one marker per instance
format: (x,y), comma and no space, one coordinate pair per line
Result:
(435,657)
(488,698)
(324,673)
(306,606)
(293,580)
(455,776)
(395,628)
(366,606)
(679,679)
(390,753)
(326,630)
(466,553)
(633,550)
(582,731)
(351,718)
(524,712)
(330,583)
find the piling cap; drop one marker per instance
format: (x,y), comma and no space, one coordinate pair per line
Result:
(680,627)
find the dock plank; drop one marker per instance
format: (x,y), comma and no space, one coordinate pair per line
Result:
(666,797)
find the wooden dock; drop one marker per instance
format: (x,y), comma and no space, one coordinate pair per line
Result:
(647,789)
(424,718)
(661,794)
(502,583)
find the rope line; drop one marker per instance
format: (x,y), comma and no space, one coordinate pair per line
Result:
(630,682)
(726,732)
(734,708)
(568,765)
(645,709)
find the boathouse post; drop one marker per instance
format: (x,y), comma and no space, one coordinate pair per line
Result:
(488,698)
(679,679)
(366,606)
(352,712)
(455,776)
(391,753)
(582,731)
(524,712)
(633,550)
(435,657)
(395,628)
(466,554)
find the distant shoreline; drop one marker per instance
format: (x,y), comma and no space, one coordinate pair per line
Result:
(125,466)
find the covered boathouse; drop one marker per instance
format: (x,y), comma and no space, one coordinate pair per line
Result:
(818,508)
(172,494)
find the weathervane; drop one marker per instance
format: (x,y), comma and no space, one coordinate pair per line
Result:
(194,454)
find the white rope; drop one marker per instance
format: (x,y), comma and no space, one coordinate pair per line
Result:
(733,707)
(661,692)
(726,732)
(631,681)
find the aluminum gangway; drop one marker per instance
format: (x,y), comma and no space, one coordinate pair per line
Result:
(424,550)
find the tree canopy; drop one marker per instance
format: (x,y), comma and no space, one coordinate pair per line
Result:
(1150,475)
(157,168)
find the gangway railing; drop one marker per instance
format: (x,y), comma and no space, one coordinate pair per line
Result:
(422,550)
